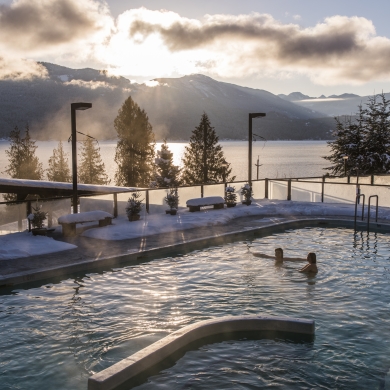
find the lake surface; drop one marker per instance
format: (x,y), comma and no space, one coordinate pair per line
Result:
(278,158)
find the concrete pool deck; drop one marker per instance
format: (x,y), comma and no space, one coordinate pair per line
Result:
(93,254)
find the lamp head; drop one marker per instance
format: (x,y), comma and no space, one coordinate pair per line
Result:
(256,115)
(80,106)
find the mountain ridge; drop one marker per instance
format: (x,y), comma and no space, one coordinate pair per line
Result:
(174,106)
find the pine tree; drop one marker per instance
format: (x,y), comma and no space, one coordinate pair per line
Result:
(377,139)
(166,174)
(365,141)
(135,149)
(203,158)
(59,166)
(23,163)
(91,167)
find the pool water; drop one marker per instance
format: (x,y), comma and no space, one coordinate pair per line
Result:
(57,335)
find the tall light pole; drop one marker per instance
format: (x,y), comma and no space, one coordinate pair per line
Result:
(250,139)
(73,108)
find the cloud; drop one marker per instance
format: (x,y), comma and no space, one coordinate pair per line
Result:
(152,44)
(36,25)
(335,50)
(19,69)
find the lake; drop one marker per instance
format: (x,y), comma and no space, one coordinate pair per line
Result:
(278,158)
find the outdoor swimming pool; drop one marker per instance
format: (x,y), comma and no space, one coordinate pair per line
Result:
(57,335)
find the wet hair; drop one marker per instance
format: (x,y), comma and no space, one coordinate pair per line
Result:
(313,258)
(279,250)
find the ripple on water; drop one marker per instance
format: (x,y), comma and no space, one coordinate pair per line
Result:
(62,333)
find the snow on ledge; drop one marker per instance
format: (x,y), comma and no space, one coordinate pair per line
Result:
(16,245)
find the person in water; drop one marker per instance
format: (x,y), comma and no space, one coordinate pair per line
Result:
(312,266)
(279,258)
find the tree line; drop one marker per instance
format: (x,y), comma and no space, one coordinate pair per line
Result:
(138,164)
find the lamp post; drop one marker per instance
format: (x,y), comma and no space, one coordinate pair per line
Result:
(345,158)
(73,108)
(257,165)
(250,139)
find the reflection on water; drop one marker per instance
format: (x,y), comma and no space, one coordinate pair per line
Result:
(56,335)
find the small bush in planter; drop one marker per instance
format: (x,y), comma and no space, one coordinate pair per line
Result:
(37,217)
(172,200)
(247,193)
(134,206)
(230,196)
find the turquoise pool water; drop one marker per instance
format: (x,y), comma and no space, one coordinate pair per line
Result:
(57,335)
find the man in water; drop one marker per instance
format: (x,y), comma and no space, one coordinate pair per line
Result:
(278,256)
(311,258)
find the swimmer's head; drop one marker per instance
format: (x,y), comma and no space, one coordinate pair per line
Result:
(279,253)
(312,258)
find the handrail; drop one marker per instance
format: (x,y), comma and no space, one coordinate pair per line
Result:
(356,203)
(376,210)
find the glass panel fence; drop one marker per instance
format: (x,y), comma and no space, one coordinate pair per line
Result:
(384,180)
(157,203)
(334,193)
(100,202)
(277,190)
(13,218)
(186,193)
(54,210)
(258,188)
(214,190)
(306,192)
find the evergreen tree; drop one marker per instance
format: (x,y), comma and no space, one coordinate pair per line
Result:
(91,167)
(203,158)
(377,136)
(59,166)
(366,140)
(349,139)
(135,149)
(23,163)
(166,174)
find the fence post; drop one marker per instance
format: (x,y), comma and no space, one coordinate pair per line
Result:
(266,189)
(289,189)
(201,190)
(372,180)
(323,188)
(29,211)
(115,205)
(147,201)
(349,179)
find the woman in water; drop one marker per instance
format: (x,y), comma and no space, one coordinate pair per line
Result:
(312,266)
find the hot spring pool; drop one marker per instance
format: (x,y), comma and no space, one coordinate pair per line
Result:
(57,335)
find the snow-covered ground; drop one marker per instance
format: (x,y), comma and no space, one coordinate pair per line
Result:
(161,223)
(24,244)
(16,245)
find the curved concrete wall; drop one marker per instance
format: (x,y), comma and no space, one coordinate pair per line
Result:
(139,363)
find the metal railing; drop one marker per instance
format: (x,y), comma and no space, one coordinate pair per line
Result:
(333,189)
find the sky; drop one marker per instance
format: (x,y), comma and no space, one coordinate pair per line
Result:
(312,46)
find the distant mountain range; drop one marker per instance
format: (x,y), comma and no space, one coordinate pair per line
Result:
(174,106)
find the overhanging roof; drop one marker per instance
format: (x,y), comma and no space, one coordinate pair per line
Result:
(50,189)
